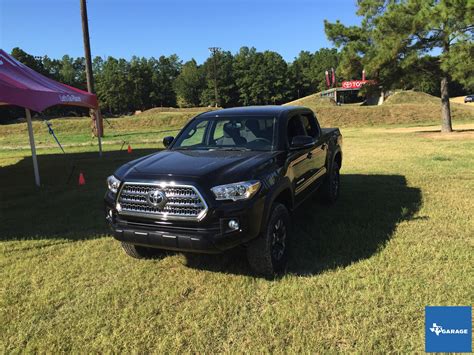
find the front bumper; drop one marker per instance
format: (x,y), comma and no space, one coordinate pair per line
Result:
(210,235)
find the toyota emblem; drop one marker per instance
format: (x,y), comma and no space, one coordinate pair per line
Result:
(156,198)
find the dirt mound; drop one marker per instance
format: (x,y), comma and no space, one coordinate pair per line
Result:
(412,97)
(311,101)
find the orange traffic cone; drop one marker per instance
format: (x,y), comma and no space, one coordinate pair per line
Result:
(129,150)
(82,180)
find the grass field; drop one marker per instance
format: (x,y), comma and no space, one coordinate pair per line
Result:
(361,272)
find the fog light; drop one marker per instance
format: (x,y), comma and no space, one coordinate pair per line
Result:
(233,224)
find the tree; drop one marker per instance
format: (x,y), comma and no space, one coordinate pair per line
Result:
(355,42)
(273,81)
(227,90)
(245,70)
(67,74)
(261,78)
(307,72)
(395,34)
(112,85)
(30,61)
(164,71)
(189,85)
(140,80)
(52,67)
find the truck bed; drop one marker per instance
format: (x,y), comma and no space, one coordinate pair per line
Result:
(325,131)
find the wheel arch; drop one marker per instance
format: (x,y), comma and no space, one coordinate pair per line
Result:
(284,195)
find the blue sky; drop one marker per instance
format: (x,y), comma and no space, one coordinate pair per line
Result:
(148,28)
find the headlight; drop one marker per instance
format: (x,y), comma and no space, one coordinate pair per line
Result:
(238,191)
(113,183)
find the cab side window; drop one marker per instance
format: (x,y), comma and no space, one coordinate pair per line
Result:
(295,128)
(310,125)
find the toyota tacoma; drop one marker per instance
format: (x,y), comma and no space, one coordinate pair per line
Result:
(230,178)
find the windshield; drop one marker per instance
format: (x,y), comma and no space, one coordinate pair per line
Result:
(229,133)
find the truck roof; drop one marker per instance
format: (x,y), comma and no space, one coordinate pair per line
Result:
(269,110)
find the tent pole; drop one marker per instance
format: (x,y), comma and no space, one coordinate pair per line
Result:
(33,147)
(99,130)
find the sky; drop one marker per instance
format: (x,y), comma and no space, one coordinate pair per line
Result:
(123,28)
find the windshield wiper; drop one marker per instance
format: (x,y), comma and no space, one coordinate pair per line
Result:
(233,149)
(189,148)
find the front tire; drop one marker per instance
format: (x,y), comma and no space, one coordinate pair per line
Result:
(268,253)
(140,252)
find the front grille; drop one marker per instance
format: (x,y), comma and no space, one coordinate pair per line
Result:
(181,201)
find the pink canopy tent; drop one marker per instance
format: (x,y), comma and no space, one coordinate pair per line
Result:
(22,86)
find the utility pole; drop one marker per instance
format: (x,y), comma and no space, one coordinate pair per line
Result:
(214,51)
(97,124)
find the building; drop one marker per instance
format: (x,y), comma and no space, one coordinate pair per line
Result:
(348,92)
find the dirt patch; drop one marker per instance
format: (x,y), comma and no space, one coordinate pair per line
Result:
(455,135)
(431,129)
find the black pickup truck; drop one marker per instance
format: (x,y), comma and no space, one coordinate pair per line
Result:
(231,177)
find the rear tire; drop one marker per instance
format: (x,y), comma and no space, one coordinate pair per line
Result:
(268,253)
(332,184)
(140,252)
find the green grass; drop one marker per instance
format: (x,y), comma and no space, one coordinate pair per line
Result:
(361,272)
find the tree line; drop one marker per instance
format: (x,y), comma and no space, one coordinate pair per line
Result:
(248,77)
(394,44)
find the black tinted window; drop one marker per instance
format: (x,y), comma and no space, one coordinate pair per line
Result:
(295,128)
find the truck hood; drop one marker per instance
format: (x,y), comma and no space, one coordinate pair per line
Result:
(220,167)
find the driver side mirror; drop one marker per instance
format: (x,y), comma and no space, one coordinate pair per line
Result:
(167,141)
(301,142)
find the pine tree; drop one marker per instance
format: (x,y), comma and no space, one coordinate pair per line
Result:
(395,34)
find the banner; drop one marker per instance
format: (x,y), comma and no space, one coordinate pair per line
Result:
(355,84)
(327,80)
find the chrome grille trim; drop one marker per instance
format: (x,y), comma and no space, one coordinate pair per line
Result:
(184,202)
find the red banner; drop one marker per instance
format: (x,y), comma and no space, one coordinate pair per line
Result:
(353,84)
